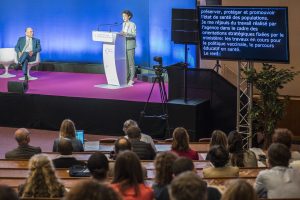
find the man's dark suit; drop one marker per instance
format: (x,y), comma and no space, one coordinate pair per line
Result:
(23,152)
(142,149)
(25,58)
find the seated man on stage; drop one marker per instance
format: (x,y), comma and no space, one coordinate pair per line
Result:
(129,30)
(27,48)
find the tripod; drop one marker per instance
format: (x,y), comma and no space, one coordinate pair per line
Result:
(163,100)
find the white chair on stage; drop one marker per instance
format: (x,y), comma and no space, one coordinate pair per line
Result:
(7,57)
(30,65)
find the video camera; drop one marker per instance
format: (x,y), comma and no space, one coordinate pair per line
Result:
(158,69)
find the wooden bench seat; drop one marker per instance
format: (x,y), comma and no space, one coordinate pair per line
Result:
(23,164)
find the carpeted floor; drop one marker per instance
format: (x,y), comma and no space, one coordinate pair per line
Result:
(82,85)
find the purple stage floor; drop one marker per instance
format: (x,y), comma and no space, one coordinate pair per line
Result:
(82,85)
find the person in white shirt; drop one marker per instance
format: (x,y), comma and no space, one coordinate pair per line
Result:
(129,30)
(280,181)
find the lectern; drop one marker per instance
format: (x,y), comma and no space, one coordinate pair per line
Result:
(114,58)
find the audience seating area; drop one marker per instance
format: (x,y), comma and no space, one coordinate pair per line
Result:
(14,172)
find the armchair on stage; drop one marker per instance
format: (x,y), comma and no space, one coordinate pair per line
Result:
(8,56)
(30,65)
(114,58)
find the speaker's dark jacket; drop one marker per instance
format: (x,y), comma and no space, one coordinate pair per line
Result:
(23,152)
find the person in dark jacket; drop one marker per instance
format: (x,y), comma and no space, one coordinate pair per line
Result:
(24,150)
(142,149)
(67,130)
(65,159)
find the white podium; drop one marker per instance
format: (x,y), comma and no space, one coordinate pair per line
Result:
(114,58)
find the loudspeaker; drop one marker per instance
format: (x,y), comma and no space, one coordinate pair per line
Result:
(184,26)
(17,87)
(213,2)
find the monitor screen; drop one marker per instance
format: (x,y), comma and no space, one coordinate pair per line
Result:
(244,33)
(80,135)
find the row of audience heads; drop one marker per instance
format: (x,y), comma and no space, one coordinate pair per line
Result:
(67,130)
(234,141)
(222,145)
(176,172)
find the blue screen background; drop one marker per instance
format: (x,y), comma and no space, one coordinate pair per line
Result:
(64,28)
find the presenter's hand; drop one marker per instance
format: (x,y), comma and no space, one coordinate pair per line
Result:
(20,54)
(30,53)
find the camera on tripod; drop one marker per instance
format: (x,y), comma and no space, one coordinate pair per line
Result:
(158,69)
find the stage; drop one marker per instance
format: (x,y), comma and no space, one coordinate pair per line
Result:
(55,96)
(82,85)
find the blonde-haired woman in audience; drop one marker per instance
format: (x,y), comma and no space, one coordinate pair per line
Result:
(238,190)
(180,144)
(41,181)
(67,130)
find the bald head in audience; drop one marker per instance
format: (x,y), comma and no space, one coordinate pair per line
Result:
(122,144)
(24,150)
(22,136)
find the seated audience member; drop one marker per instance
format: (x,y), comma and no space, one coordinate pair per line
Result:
(128,178)
(218,137)
(41,181)
(183,164)
(98,166)
(65,159)
(180,144)
(122,144)
(8,193)
(284,136)
(188,186)
(92,190)
(238,190)
(24,150)
(163,174)
(144,138)
(219,158)
(280,181)
(67,130)
(142,149)
(238,156)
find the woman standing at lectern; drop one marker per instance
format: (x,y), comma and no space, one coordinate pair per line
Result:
(129,30)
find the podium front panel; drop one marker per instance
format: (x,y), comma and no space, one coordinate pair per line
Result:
(109,64)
